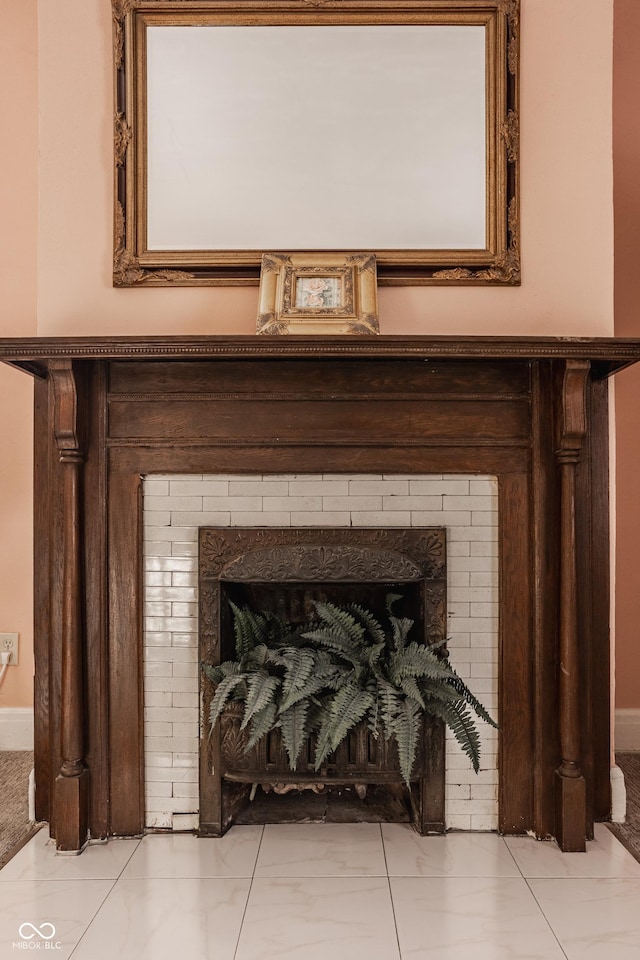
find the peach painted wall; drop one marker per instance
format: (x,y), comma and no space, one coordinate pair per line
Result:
(567,221)
(566,194)
(627,324)
(18,239)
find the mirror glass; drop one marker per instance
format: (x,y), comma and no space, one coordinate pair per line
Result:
(339,137)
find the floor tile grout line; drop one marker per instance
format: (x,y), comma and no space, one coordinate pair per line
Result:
(135,849)
(393,907)
(512,855)
(246,903)
(547,921)
(114,883)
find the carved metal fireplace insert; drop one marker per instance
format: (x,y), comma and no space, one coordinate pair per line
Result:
(284,571)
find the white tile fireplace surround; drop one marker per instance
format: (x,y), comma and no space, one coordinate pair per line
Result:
(175,506)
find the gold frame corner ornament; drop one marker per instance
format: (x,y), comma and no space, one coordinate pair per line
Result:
(282,310)
(136,265)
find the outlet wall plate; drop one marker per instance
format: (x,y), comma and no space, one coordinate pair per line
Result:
(9,641)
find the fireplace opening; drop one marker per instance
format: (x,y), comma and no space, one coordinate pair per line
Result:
(354,785)
(286,572)
(295,602)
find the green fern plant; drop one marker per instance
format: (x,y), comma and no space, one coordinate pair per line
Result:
(345,667)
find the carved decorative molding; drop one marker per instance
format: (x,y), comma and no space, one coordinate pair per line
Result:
(606,353)
(305,554)
(232,743)
(127,271)
(208,614)
(367,324)
(505,270)
(121,139)
(511,136)
(317,563)
(573,426)
(510,8)
(270,325)
(120,9)
(65,427)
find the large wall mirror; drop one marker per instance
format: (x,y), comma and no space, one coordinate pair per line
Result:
(248,126)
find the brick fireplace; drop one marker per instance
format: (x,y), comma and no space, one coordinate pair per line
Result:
(530,413)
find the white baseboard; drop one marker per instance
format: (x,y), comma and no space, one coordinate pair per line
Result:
(627,731)
(618,796)
(16,728)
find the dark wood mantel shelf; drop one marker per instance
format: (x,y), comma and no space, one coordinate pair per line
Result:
(530,411)
(607,354)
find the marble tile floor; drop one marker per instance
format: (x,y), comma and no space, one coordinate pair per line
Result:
(323,892)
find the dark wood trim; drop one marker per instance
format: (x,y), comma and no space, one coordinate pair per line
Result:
(283,458)
(593,566)
(516,705)
(546,522)
(571,814)
(126,710)
(42,513)
(609,354)
(539,440)
(95,575)
(71,794)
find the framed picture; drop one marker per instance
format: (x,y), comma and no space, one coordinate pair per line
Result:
(318,293)
(243,126)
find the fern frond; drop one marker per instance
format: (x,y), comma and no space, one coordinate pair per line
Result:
(437,690)
(374,653)
(335,640)
(227,669)
(299,663)
(223,691)
(389,601)
(249,629)
(257,656)
(252,629)
(406,728)
(294,728)
(400,627)
(390,701)
(462,689)
(369,622)
(318,681)
(458,719)
(412,690)
(261,690)
(348,707)
(261,723)
(373,713)
(416,660)
(340,619)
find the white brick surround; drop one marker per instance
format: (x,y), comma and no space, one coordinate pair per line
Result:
(175,506)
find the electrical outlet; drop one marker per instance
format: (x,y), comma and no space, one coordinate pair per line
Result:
(9,642)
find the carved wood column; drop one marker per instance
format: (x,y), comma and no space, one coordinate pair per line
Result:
(571,814)
(71,786)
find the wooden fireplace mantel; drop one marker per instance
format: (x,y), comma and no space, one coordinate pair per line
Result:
(532,412)
(606,354)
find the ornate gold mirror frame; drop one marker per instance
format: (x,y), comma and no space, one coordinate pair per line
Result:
(145,254)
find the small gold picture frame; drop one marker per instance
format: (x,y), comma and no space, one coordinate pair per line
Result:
(321,293)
